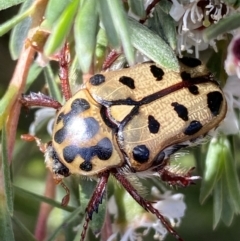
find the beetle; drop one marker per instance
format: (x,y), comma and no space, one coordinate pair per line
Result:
(129,121)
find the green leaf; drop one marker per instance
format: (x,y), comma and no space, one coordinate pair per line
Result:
(22,230)
(101,48)
(52,84)
(217,203)
(120,22)
(224,25)
(9,3)
(107,21)
(21,192)
(234,3)
(20,31)
(216,61)
(6,195)
(33,73)
(5,104)
(227,204)
(85,31)
(213,167)
(61,29)
(6,172)
(54,9)
(150,44)
(166,23)
(67,221)
(137,7)
(232,181)
(5,27)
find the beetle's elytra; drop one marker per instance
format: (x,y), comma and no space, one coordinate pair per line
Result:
(130,120)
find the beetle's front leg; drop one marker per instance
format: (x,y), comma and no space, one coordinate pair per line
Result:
(40,100)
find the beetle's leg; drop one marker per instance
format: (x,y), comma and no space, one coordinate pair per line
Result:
(39,99)
(64,60)
(112,56)
(177,177)
(42,146)
(147,205)
(95,200)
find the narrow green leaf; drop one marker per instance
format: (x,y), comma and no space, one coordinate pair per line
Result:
(121,24)
(213,167)
(52,84)
(6,229)
(54,9)
(6,196)
(9,3)
(5,27)
(6,172)
(33,73)
(150,44)
(232,181)
(217,203)
(101,48)
(25,193)
(137,7)
(224,25)
(107,21)
(61,29)
(74,215)
(85,31)
(22,230)
(216,61)
(20,31)
(227,203)
(167,23)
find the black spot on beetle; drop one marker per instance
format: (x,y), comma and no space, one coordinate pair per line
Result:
(60,117)
(60,135)
(181,110)
(97,79)
(104,149)
(87,153)
(157,72)
(193,89)
(153,125)
(128,81)
(193,128)
(141,153)
(79,105)
(214,101)
(190,62)
(185,76)
(70,153)
(86,166)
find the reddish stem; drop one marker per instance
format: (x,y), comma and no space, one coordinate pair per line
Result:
(45,209)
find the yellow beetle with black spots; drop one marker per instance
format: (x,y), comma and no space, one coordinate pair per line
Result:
(130,121)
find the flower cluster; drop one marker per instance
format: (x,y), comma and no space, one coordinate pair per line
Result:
(171,206)
(194,16)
